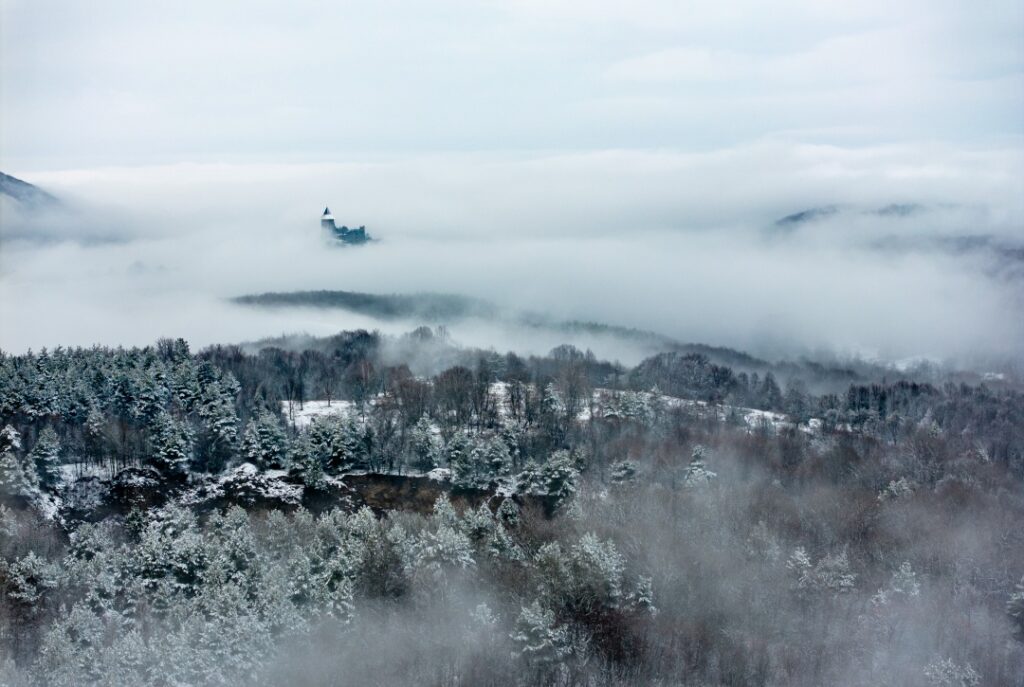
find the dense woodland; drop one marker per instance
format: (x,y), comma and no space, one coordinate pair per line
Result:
(167,520)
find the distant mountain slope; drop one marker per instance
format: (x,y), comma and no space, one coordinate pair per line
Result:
(25,193)
(430,307)
(910,228)
(790,222)
(34,216)
(439,308)
(434,308)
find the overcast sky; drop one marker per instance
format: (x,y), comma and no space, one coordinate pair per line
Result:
(123,82)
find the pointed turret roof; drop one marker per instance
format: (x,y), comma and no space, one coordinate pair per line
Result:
(327,211)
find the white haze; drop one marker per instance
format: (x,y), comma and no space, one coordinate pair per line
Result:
(613,160)
(674,242)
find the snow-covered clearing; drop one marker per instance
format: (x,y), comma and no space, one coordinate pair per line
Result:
(72,472)
(606,403)
(301,414)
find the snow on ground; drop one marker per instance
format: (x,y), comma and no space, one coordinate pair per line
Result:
(753,418)
(248,479)
(440,475)
(604,402)
(72,472)
(48,505)
(302,414)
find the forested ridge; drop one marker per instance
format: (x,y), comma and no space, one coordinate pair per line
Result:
(364,509)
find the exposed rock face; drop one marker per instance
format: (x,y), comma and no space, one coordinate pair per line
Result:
(92,498)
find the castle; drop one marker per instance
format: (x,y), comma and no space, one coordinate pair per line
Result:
(342,233)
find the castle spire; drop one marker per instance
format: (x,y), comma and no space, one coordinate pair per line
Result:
(327,219)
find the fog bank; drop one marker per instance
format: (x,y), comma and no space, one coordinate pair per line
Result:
(682,244)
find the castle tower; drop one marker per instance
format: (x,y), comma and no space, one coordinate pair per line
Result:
(327,220)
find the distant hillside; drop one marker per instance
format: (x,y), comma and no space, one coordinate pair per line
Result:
(790,222)
(429,307)
(25,193)
(439,308)
(794,221)
(435,308)
(32,215)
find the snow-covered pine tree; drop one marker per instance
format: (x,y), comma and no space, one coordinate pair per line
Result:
(28,580)
(597,572)
(45,457)
(697,473)
(457,449)
(486,462)
(307,462)
(508,513)
(220,432)
(424,448)
(537,638)
(171,445)
(264,443)
(624,472)
(555,480)
(17,476)
(340,442)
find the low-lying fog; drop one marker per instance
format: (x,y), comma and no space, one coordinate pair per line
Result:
(682,244)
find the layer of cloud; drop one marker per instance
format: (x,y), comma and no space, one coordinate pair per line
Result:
(677,243)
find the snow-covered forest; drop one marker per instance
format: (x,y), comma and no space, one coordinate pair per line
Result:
(371,510)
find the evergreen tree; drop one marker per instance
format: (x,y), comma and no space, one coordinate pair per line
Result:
(555,480)
(265,443)
(171,445)
(424,448)
(697,473)
(220,433)
(28,581)
(458,449)
(97,443)
(45,457)
(307,462)
(770,393)
(485,463)
(538,639)
(596,573)
(624,472)
(341,443)
(796,403)
(508,513)
(17,476)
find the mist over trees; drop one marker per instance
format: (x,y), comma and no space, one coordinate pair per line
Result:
(365,509)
